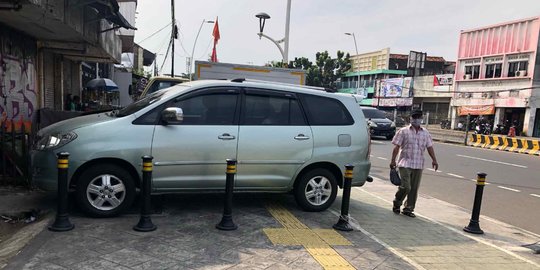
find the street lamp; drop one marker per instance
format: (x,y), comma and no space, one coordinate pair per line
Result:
(284,51)
(192,60)
(356,47)
(354,37)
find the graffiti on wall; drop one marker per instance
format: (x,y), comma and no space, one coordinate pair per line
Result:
(18,100)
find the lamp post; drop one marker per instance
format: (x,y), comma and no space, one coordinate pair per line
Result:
(192,60)
(262,19)
(354,37)
(356,48)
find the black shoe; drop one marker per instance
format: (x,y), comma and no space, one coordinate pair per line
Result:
(410,214)
(395,210)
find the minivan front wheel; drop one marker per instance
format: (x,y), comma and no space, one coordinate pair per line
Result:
(105,190)
(316,190)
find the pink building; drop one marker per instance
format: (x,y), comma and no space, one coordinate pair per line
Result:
(497,70)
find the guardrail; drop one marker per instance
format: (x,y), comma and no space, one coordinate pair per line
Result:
(504,143)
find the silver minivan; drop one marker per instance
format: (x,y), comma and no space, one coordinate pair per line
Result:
(285,138)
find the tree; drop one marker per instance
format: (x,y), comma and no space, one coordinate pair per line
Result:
(325,71)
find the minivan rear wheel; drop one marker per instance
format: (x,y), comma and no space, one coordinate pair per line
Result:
(316,190)
(105,190)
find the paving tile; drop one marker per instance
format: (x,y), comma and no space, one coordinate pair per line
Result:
(98,264)
(127,257)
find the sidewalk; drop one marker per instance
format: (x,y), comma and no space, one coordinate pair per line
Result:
(274,234)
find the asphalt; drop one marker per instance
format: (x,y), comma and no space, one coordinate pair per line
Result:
(274,234)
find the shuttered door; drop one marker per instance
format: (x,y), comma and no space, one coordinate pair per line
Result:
(48,80)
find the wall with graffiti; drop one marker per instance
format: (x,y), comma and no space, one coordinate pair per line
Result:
(18,79)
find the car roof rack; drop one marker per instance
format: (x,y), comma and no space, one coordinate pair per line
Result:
(285,84)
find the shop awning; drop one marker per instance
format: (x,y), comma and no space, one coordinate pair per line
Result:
(109,10)
(476,110)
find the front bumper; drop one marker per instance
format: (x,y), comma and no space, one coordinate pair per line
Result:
(383,131)
(44,169)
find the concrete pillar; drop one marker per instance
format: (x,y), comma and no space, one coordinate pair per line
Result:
(528,121)
(499,114)
(453,116)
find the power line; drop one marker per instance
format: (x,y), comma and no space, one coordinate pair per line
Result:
(153,34)
(166,54)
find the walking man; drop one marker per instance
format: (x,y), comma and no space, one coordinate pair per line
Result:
(411,142)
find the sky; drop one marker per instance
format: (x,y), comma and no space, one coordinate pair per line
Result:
(317,25)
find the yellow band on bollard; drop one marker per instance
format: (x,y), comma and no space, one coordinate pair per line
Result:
(62,163)
(231,170)
(348,175)
(481,181)
(147,166)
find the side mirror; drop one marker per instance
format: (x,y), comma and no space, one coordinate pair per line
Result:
(172,115)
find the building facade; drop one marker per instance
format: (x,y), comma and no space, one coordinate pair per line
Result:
(42,45)
(385,82)
(498,75)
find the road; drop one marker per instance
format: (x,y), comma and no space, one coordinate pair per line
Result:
(512,192)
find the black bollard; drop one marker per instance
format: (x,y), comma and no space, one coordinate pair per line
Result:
(145,222)
(62,223)
(474,226)
(343,222)
(227,223)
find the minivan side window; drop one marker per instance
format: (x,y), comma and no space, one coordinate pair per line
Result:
(210,109)
(323,111)
(272,110)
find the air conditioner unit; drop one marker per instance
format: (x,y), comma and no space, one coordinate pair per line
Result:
(521,73)
(467,77)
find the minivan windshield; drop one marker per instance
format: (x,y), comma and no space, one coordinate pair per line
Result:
(140,104)
(373,113)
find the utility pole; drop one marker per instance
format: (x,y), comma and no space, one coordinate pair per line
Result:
(173,36)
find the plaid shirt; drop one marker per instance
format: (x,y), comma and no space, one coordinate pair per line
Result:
(412,146)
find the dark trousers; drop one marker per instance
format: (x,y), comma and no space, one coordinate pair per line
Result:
(410,182)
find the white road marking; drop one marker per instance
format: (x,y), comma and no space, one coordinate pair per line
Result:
(494,161)
(535,195)
(382,158)
(433,170)
(511,189)
(455,175)
(377,142)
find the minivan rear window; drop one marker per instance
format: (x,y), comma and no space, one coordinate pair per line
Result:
(374,113)
(322,111)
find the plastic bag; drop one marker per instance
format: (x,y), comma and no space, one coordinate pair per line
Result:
(394,177)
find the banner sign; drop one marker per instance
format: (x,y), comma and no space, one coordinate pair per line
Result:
(444,79)
(476,110)
(392,87)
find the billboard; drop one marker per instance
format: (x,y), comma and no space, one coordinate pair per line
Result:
(391,87)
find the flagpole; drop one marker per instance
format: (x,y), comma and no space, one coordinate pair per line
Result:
(173,36)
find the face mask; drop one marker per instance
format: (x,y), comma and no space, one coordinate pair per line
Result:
(416,122)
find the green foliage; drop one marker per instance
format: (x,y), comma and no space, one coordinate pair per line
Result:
(325,71)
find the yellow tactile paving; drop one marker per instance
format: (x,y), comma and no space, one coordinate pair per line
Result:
(332,237)
(279,236)
(317,241)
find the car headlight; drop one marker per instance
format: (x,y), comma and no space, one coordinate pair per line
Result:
(372,124)
(55,140)
(393,124)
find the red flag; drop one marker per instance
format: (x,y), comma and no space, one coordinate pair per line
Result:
(435,81)
(215,33)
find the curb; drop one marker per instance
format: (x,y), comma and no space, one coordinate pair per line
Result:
(13,245)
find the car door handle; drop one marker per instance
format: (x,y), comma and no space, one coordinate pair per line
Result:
(226,137)
(301,137)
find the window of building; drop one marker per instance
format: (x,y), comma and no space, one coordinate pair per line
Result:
(493,70)
(513,67)
(473,71)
